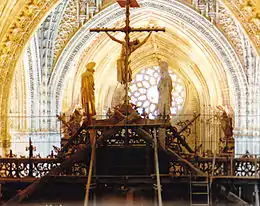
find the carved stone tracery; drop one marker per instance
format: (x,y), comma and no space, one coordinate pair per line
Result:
(230,28)
(68,26)
(247,14)
(74,16)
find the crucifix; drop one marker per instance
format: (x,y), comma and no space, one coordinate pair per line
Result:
(127,45)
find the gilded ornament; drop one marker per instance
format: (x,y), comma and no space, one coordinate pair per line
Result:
(16,34)
(255,19)
(88,90)
(248,6)
(30,10)
(67,27)
(244,11)
(9,45)
(22,21)
(258,34)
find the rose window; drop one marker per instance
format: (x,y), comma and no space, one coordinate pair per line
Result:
(143,91)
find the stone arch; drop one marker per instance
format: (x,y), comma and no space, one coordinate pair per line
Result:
(173,11)
(18,22)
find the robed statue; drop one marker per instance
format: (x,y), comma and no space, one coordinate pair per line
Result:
(121,69)
(226,123)
(88,90)
(165,91)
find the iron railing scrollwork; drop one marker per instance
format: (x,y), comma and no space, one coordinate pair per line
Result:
(129,136)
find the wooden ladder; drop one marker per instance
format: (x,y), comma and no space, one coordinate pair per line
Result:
(199,191)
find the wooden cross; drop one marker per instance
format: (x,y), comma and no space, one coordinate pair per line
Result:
(127,30)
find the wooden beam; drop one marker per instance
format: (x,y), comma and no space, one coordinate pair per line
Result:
(186,161)
(189,123)
(93,150)
(182,141)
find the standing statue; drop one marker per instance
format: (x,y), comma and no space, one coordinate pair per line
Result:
(133,45)
(88,90)
(226,123)
(165,91)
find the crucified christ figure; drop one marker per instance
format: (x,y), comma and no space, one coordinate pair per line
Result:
(121,69)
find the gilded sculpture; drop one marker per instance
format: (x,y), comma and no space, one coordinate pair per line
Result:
(88,90)
(133,45)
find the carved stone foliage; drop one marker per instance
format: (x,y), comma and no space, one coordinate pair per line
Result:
(242,10)
(68,26)
(74,16)
(230,28)
(246,13)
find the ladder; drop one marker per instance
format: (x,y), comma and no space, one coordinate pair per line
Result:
(199,191)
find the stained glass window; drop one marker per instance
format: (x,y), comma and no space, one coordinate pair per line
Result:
(143,91)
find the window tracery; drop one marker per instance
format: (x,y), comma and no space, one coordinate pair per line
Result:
(143,91)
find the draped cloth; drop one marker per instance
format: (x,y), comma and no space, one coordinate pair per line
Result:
(165,91)
(121,72)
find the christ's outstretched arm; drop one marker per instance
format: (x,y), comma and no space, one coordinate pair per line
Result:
(143,42)
(115,39)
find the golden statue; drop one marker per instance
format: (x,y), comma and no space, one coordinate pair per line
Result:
(88,90)
(133,45)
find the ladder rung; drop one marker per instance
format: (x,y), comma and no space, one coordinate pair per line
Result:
(199,188)
(198,185)
(200,193)
(199,182)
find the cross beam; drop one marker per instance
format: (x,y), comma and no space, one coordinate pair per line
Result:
(130,29)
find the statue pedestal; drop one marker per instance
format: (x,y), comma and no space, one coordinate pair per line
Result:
(161,137)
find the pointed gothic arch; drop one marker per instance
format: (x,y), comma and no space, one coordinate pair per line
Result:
(208,38)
